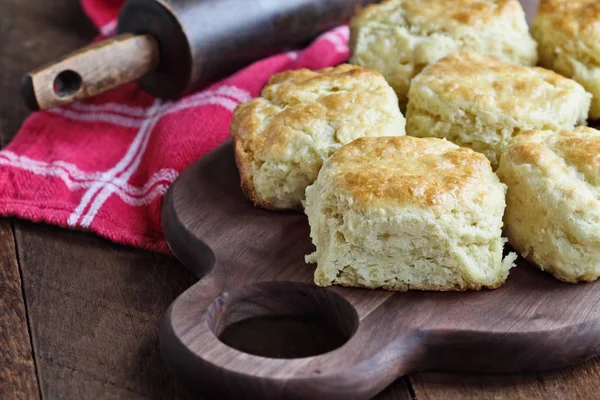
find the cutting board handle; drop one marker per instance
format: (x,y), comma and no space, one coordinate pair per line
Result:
(90,71)
(362,363)
(191,344)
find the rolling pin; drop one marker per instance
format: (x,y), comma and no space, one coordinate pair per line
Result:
(172,47)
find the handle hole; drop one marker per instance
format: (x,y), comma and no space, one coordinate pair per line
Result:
(283,320)
(67,83)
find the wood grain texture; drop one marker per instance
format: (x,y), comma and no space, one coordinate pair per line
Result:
(17,368)
(581,382)
(91,70)
(18,378)
(253,262)
(95,309)
(397,391)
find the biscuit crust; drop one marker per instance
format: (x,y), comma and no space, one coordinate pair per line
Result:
(403,213)
(568,33)
(553,201)
(429,173)
(400,37)
(482,103)
(282,138)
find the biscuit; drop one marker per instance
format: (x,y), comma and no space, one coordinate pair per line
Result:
(481,103)
(400,37)
(282,138)
(568,35)
(403,213)
(553,201)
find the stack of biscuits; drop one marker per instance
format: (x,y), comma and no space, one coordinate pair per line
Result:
(437,138)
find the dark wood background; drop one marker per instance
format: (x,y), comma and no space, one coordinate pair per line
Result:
(79,316)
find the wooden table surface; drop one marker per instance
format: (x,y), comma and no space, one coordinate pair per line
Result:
(79,316)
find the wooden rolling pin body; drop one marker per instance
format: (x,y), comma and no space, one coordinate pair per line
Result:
(176,46)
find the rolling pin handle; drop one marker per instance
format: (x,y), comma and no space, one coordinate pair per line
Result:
(90,71)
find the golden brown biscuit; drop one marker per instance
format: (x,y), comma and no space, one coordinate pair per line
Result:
(403,213)
(482,103)
(282,138)
(400,37)
(568,34)
(553,201)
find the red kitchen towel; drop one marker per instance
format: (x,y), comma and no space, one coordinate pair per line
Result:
(104,164)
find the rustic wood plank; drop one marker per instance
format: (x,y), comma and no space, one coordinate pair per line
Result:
(397,391)
(581,382)
(17,369)
(18,378)
(95,309)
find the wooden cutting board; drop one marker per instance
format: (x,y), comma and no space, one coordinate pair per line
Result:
(254,274)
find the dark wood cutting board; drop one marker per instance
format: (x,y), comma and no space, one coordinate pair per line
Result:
(253,269)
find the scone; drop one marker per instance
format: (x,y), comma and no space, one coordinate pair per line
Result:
(568,35)
(403,213)
(553,201)
(400,37)
(282,138)
(482,103)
